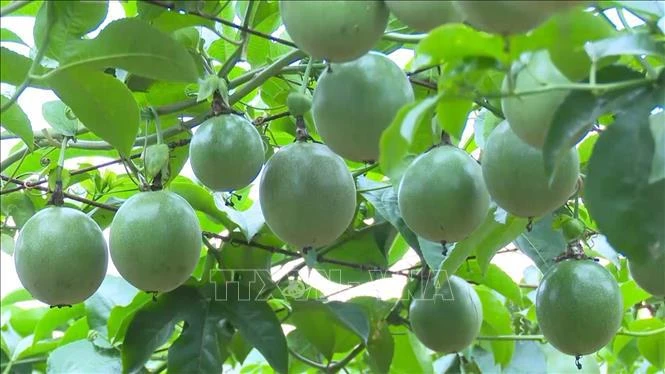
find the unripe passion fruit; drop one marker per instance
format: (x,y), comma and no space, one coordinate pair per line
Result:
(355,101)
(155,240)
(579,306)
(307,195)
(442,195)
(515,175)
(446,319)
(61,256)
(650,274)
(226,153)
(424,15)
(298,103)
(336,31)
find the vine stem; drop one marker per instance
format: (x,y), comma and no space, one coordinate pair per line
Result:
(542,338)
(404,38)
(373,188)
(13,6)
(651,72)
(158,125)
(358,172)
(305,77)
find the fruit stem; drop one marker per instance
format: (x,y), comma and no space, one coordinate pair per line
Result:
(305,77)
(358,172)
(158,125)
(57,198)
(301,130)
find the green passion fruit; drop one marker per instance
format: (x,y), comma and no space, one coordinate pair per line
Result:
(226,153)
(509,17)
(515,175)
(354,102)
(572,229)
(579,306)
(298,103)
(447,318)
(61,256)
(530,116)
(336,31)
(155,240)
(424,15)
(307,195)
(650,274)
(442,195)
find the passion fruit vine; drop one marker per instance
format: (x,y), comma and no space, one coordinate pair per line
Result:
(61,256)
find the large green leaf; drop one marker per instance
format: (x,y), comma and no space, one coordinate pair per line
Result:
(200,199)
(410,130)
(411,356)
(494,278)
(83,357)
(653,346)
(14,68)
(488,238)
(627,208)
(380,349)
(153,325)
(55,318)
(632,294)
(257,323)
(249,221)
(7,35)
(497,318)
(626,44)
(542,244)
(16,121)
(580,110)
(102,103)
(454,41)
(55,113)
(71,21)
(114,291)
(529,358)
(156,55)
(452,115)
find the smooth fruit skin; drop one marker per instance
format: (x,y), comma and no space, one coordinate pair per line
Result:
(336,31)
(61,256)
(650,275)
(355,102)
(307,195)
(509,17)
(226,153)
(155,240)
(446,319)
(579,306)
(515,175)
(530,116)
(442,195)
(424,15)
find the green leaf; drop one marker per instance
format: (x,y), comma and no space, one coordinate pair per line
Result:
(56,114)
(18,206)
(381,347)
(258,325)
(309,315)
(617,192)
(153,325)
(71,21)
(121,316)
(102,103)
(652,346)
(15,296)
(7,35)
(17,122)
(657,126)
(55,318)
(497,316)
(494,278)
(200,199)
(83,357)
(483,126)
(76,331)
(632,294)
(411,356)
(542,244)
(452,115)
(362,248)
(199,348)
(7,244)
(411,125)
(114,291)
(580,110)
(558,362)
(14,68)
(249,221)
(454,41)
(529,358)
(488,238)
(157,56)
(626,44)
(432,252)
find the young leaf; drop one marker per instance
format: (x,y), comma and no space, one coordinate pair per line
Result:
(55,113)
(157,55)
(102,103)
(16,121)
